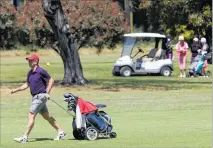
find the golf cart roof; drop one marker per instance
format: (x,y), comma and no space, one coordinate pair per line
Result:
(155,35)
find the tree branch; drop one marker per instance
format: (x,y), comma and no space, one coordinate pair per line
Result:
(55,47)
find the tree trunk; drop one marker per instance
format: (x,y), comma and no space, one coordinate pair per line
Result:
(73,73)
(127,10)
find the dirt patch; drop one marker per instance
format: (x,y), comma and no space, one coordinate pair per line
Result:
(100,88)
(5,91)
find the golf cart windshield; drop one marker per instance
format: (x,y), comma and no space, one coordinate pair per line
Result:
(128,46)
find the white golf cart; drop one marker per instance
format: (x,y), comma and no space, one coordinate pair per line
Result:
(155,62)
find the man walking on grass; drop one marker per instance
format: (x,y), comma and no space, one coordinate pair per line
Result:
(40,84)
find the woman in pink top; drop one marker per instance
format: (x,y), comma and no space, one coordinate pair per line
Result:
(182,48)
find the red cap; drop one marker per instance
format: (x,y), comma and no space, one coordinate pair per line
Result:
(33,57)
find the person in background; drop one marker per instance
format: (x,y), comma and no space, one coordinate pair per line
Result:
(194,48)
(204,49)
(182,48)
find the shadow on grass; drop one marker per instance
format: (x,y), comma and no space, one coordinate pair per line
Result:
(100,138)
(41,139)
(156,83)
(141,83)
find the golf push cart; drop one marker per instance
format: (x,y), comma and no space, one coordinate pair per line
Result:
(156,61)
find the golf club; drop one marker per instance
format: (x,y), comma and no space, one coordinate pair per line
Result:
(61,107)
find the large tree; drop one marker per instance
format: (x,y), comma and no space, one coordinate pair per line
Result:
(88,29)
(68,48)
(76,24)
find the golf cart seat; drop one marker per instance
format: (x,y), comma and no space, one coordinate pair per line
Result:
(152,55)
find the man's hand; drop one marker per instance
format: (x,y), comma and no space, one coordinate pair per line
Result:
(23,87)
(50,85)
(12,91)
(47,96)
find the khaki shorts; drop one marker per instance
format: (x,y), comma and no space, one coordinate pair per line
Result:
(39,103)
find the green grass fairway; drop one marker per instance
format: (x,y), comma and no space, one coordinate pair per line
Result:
(146,111)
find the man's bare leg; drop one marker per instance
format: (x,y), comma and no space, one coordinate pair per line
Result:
(31,121)
(51,120)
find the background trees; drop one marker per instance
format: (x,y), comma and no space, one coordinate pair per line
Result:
(187,17)
(93,23)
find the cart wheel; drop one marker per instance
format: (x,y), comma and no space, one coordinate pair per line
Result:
(126,71)
(113,135)
(91,133)
(166,71)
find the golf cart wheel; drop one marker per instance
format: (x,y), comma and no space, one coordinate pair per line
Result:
(166,71)
(113,135)
(91,133)
(126,71)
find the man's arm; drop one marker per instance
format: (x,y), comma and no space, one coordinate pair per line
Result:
(50,85)
(23,87)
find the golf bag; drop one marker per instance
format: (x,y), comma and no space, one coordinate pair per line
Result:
(169,53)
(95,122)
(167,46)
(196,66)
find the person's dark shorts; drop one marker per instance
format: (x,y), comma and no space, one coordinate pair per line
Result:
(39,103)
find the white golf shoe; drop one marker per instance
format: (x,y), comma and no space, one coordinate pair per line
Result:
(22,139)
(61,135)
